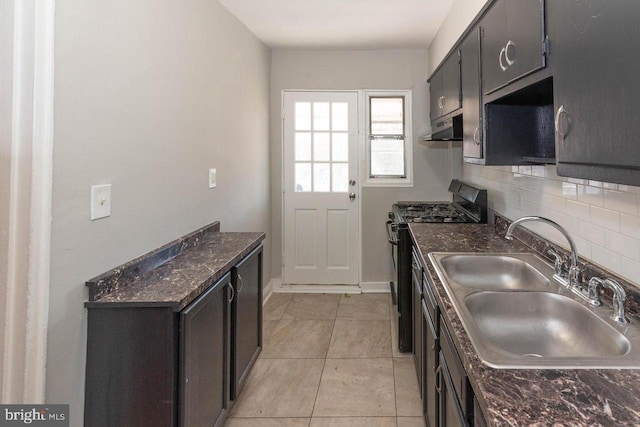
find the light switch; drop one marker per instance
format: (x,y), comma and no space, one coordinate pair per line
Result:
(212,178)
(100,201)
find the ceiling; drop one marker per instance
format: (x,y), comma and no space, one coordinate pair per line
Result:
(341,24)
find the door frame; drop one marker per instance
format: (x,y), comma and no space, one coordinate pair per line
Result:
(324,288)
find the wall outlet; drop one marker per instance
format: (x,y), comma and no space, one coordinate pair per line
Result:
(212,178)
(100,201)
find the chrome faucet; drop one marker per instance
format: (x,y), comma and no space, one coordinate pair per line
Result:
(619,297)
(574,280)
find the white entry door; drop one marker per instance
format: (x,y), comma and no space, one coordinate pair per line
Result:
(320,189)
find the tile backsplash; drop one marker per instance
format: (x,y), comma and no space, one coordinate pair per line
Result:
(603,218)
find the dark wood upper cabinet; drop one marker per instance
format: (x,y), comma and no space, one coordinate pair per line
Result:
(471,96)
(444,87)
(596,88)
(513,44)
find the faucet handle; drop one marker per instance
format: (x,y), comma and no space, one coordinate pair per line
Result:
(559,262)
(595,283)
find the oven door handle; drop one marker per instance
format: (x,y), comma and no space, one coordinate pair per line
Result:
(389,233)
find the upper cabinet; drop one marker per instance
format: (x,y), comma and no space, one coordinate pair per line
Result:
(471,96)
(596,88)
(514,42)
(444,87)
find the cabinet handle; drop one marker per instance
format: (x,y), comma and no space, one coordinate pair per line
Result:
(438,379)
(233,293)
(502,53)
(506,53)
(476,138)
(562,122)
(240,288)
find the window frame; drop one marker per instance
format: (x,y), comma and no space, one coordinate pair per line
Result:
(386,181)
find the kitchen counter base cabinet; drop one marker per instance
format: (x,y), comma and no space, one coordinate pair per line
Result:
(154,366)
(246,312)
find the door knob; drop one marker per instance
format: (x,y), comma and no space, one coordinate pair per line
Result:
(352,196)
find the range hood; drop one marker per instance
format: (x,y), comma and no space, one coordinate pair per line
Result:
(449,129)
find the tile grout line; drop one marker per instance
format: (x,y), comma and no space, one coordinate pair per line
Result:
(315,401)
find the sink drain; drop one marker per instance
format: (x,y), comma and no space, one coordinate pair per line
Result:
(532,355)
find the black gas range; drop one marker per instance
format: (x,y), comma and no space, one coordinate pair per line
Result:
(468,205)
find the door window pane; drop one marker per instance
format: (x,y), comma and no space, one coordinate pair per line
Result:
(303,177)
(387,116)
(387,157)
(320,116)
(321,149)
(340,116)
(303,146)
(321,177)
(340,147)
(340,177)
(303,116)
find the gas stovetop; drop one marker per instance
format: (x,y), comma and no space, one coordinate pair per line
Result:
(430,212)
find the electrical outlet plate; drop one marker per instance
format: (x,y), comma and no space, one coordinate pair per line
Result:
(100,201)
(212,178)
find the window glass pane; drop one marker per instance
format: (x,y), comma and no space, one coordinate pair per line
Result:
(387,157)
(387,116)
(303,146)
(340,178)
(303,116)
(321,147)
(340,147)
(303,177)
(320,116)
(321,177)
(340,116)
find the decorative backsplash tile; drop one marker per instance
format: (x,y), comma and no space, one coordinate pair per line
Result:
(603,218)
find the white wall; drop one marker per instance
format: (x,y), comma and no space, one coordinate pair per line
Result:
(361,69)
(149,94)
(603,218)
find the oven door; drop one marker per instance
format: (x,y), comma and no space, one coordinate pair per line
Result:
(392,237)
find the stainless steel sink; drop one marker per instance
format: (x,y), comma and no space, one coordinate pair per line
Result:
(485,271)
(517,316)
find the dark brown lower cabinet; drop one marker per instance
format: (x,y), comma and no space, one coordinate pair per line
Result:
(451,414)
(430,367)
(246,313)
(203,371)
(153,366)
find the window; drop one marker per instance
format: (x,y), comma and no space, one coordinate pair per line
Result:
(388,138)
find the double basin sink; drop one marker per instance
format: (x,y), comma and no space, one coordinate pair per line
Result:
(518,316)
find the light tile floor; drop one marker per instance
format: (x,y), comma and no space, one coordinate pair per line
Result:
(329,361)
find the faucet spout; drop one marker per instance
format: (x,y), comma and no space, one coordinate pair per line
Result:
(574,271)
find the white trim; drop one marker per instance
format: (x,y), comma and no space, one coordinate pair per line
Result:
(25,339)
(367,181)
(375,288)
(268,291)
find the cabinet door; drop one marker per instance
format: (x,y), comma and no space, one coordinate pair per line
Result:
(450,412)
(513,42)
(430,367)
(471,96)
(435,96)
(417,329)
(450,84)
(596,89)
(203,355)
(246,323)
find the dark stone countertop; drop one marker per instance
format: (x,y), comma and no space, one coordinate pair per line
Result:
(518,397)
(175,274)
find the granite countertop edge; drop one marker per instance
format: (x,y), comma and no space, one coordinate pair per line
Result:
(512,397)
(183,277)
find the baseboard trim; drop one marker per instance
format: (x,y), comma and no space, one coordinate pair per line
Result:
(375,287)
(276,286)
(268,290)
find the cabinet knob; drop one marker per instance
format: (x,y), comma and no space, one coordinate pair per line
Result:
(563,122)
(502,66)
(510,47)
